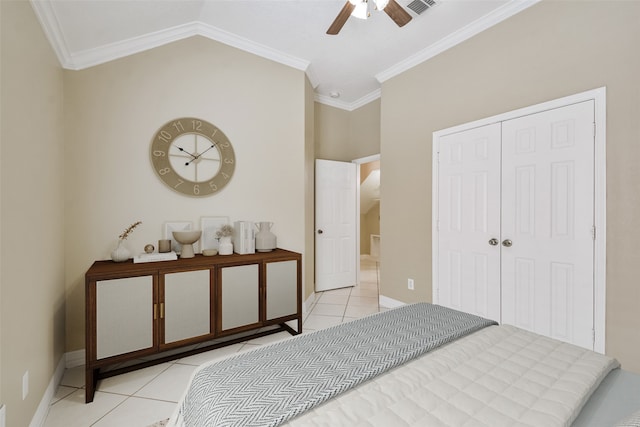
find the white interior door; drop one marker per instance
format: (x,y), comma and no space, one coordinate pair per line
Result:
(548,219)
(469,221)
(336,224)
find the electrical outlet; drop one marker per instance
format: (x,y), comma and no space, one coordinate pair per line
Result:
(25,385)
(410,284)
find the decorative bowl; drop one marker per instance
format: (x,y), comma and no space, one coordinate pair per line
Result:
(187,238)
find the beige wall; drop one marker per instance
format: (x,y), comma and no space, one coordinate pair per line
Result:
(364,130)
(369,221)
(369,224)
(309,226)
(553,49)
(32,291)
(112,112)
(347,135)
(332,133)
(367,168)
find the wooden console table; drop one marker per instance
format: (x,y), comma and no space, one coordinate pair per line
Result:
(138,315)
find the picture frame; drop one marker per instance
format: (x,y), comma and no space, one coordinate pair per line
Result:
(209,225)
(170,227)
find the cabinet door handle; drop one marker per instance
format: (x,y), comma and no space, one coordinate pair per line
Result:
(155,311)
(162,310)
(507,243)
(493,242)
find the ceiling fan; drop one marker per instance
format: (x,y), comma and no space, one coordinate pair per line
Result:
(360,9)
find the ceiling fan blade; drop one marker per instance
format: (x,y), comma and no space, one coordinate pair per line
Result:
(340,20)
(397,13)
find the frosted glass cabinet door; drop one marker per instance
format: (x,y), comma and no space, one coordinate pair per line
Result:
(124,319)
(282,288)
(187,309)
(240,292)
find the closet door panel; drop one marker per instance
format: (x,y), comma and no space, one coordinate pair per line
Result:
(468,218)
(547,214)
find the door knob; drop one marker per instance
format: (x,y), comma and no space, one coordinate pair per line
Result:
(507,243)
(493,242)
(320,231)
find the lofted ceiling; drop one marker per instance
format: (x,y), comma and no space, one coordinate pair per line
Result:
(346,70)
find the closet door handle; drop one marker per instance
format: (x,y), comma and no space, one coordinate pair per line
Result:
(494,242)
(507,243)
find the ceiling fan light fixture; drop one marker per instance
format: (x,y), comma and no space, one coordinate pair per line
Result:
(361,10)
(381,4)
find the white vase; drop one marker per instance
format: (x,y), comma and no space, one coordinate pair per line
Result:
(225,247)
(120,253)
(265,239)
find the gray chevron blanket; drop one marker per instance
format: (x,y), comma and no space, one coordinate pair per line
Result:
(273,384)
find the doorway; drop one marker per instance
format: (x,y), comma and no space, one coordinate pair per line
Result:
(369,225)
(348,193)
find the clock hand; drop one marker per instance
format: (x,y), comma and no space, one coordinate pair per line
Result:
(212,145)
(198,156)
(185,151)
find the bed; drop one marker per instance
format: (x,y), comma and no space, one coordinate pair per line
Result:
(416,365)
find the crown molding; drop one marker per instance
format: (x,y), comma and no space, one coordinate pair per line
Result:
(49,22)
(100,55)
(312,76)
(91,57)
(250,46)
(332,102)
(476,27)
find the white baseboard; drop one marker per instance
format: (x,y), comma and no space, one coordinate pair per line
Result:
(389,302)
(43,408)
(74,359)
(306,306)
(68,360)
(384,302)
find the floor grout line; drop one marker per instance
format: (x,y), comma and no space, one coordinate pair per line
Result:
(130,397)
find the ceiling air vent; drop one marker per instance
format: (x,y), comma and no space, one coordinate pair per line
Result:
(419,6)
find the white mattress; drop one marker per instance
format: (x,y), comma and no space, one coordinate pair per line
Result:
(498,376)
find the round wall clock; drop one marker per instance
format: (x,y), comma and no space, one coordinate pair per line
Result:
(192,157)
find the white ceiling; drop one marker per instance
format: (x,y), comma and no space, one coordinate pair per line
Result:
(353,63)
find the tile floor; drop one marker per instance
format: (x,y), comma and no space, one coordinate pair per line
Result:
(145,396)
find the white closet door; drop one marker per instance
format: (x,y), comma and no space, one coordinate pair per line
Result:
(469,217)
(548,215)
